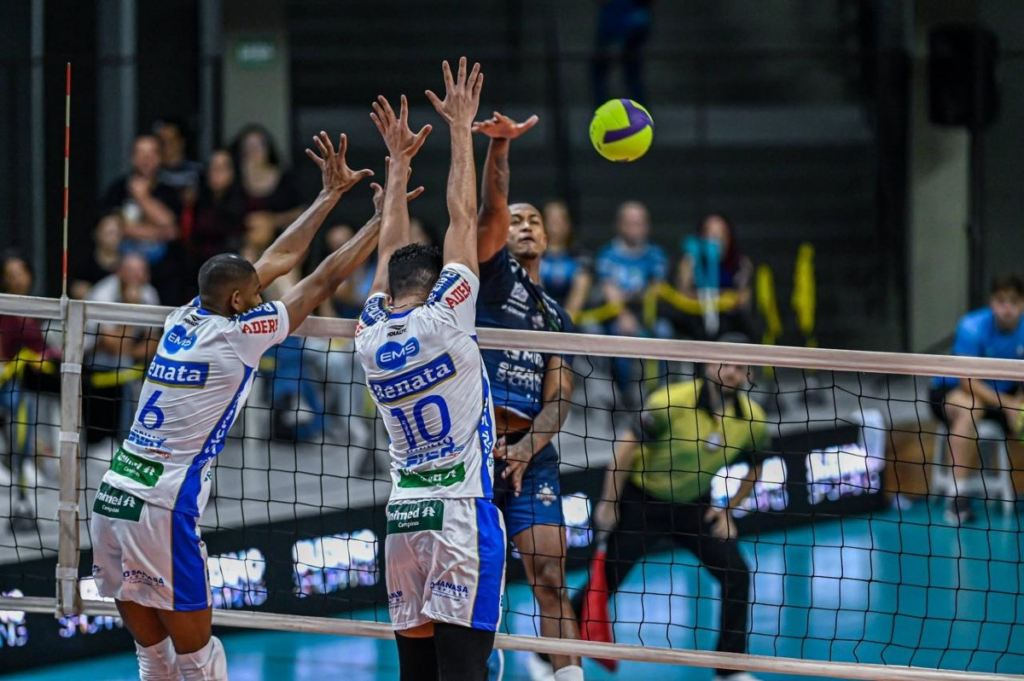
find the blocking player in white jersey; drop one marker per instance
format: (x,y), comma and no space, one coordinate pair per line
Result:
(445,547)
(147,551)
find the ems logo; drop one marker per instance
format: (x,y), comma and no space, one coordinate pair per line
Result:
(178,339)
(459,294)
(546,495)
(394,355)
(520,293)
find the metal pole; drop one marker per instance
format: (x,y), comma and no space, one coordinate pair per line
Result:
(211,25)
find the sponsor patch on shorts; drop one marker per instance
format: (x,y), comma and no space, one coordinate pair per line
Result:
(416,516)
(136,468)
(439,477)
(115,503)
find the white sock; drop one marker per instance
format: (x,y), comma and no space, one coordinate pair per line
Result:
(158,662)
(570,673)
(208,664)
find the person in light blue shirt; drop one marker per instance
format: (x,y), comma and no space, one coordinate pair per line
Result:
(626,268)
(996,331)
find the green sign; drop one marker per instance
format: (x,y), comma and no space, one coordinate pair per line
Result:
(256,53)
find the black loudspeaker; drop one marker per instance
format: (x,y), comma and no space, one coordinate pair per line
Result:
(962,75)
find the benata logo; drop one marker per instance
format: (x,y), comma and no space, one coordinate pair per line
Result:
(394,355)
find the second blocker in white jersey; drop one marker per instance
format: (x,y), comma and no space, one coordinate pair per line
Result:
(195,387)
(425,373)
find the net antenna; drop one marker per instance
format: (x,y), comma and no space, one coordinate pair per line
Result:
(67,164)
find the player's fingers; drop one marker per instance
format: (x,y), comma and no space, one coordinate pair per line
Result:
(377,122)
(449,82)
(360,174)
(414,193)
(328,144)
(316,159)
(342,145)
(320,145)
(529,122)
(461,79)
(403,115)
(377,189)
(478,85)
(420,138)
(387,107)
(434,100)
(473,74)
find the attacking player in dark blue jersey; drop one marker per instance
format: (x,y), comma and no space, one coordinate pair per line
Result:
(531,390)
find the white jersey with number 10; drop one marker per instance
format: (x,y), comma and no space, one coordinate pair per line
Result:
(426,375)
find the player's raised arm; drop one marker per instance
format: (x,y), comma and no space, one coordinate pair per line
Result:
(307,295)
(493,220)
(288,249)
(461,101)
(402,145)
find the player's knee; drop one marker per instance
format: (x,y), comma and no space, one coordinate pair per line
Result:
(158,662)
(207,664)
(549,579)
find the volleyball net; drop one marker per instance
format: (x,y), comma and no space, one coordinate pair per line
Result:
(854,561)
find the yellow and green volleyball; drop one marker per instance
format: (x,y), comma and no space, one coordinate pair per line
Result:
(622,130)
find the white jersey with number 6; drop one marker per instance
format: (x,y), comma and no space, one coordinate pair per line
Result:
(426,375)
(195,387)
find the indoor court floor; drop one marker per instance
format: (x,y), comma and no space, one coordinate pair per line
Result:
(901,587)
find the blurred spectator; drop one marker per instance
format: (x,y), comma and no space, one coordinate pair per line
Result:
(102,260)
(150,210)
(625,24)
(178,171)
(271,199)
(629,265)
(219,225)
(297,387)
(713,266)
(995,331)
(565,273)
(626,268)
(24,371)
(350,297)
(115,354)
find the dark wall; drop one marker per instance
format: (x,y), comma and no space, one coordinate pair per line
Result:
(15,73)
(168,49)
(1004,166)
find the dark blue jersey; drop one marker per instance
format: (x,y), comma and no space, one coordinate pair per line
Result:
(510,300)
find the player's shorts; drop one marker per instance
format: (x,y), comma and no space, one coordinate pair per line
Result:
(445,562)
(937,398)
(540,500)
(146,554)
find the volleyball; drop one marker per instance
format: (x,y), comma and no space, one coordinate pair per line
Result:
(622,130)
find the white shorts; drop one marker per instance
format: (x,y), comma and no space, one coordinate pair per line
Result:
(445,562)
(146,554)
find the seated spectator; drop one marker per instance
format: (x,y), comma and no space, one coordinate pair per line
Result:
(102,260)
(713,265)
(271,199)
(150,210)
(626,268)
(629,265)
(994,331)
(219,225)
(116,354)
(565,273)
(178,171)
(25,370)
(350,297)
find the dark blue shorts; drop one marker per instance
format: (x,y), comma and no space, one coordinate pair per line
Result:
(539,502)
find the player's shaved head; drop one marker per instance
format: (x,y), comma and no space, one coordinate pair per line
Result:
(413,270)
(228,284)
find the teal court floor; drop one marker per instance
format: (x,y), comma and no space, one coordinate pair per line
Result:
(899,587)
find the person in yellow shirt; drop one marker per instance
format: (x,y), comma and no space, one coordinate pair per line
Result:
(659,487)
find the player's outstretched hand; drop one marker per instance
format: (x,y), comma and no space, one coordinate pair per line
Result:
(336,175)
(504,128)
(462,95)
(379,191)
(402,143)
